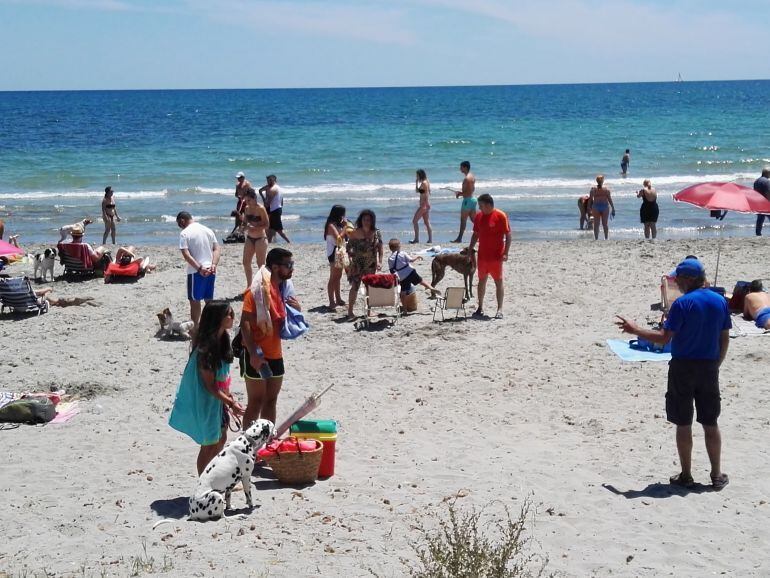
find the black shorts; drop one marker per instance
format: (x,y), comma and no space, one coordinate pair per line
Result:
(693,380)
(275,365)
(332,257)
(275,220)
(413,279)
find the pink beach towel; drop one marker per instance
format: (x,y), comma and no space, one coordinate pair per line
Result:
(65,411)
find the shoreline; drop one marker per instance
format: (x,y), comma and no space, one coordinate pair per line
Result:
(533,405)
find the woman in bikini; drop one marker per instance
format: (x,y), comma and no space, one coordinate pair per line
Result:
(109,215)
(254,223)
(422,186)
(333,232)
(601,202)
(365,249)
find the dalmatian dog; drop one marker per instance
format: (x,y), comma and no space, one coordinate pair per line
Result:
(230,466)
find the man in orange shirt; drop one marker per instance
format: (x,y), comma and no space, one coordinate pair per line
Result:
(262,359)
(493,234)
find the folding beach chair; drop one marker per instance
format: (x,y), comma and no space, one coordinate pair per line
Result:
(669,292)
(16,294)
(453,299)
(375,297)
(76,260)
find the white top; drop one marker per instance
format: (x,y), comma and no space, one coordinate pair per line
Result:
(277,201)
(200,241)
(331,245)
(398,263)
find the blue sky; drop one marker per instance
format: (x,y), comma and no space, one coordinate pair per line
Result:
(133,44)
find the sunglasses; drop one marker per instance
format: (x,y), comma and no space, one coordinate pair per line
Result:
(289,265)
(230,314)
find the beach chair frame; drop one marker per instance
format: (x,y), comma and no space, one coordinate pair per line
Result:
(669,292)
(74,267)
(453,298)
(17,295)
(380,298)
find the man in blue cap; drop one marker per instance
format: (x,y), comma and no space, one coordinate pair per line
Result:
(698,326)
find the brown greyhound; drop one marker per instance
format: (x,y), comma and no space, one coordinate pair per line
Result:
(460,262)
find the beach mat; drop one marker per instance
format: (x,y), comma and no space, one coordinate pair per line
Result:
(745,328)
(65,411)
(438,250)
(623,350)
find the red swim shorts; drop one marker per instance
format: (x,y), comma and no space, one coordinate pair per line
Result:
(493,268)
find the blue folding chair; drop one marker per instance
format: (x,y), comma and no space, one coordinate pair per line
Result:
(16,294)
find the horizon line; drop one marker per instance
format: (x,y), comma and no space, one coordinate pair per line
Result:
(355,87)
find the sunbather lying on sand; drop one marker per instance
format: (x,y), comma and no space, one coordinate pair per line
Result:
(756,305)
(64,301)
(127,255)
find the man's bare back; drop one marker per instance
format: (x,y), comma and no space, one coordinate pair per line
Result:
(754,303)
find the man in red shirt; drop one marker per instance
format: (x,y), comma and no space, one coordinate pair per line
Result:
(493,234)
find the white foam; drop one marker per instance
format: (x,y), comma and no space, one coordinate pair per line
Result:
(82,195)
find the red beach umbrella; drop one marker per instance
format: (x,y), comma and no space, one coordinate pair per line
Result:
(724,197)
(8,249)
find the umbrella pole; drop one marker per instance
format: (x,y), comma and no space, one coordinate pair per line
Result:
(719,252)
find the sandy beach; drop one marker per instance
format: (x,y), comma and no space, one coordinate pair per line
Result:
(531,405)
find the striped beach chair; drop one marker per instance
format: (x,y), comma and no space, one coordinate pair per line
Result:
(17,295)
(76,260)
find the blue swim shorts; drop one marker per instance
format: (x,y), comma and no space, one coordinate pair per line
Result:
(468,205)
(200,288)
(763,316)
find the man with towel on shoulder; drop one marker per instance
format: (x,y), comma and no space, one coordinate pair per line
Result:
(698,326)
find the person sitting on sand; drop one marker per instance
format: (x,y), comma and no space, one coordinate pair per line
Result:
(756,305)
(400,264)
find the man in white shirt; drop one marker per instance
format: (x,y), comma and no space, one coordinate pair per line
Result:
(200,249)
(274,205)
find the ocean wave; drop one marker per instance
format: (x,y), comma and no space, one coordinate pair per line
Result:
(172,218)
(82,195)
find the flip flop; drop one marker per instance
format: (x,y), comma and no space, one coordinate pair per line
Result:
(499,315)
(720,482)
(682,481)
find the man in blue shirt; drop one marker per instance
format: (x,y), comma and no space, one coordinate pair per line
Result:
(698,326)
(762,186)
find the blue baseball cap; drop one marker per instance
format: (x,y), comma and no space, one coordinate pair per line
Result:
(690,268)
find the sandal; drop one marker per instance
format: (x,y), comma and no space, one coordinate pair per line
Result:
(719,482)
(682,481)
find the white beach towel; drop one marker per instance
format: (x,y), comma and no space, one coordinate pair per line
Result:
(745,328)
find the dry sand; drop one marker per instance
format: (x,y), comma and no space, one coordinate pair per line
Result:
(533,405)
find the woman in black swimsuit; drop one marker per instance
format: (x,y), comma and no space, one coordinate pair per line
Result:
(254,223)
(109,215)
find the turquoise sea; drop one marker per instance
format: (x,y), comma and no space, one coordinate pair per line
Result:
(534,148)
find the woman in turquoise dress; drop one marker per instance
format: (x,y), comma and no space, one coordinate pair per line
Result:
(203,397)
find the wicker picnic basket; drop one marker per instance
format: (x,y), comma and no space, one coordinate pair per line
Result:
(291,464)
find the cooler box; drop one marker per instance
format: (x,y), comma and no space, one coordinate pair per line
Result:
(325,431)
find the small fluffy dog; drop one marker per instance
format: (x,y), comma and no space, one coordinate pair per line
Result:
(170,328)
(232,465)
(66,230)
(460,262)
(44,263)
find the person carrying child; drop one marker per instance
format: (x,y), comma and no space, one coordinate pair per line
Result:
(203,399)
(400,264)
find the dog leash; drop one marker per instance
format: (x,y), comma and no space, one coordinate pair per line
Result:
(233,418)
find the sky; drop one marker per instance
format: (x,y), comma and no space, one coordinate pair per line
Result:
(146,44)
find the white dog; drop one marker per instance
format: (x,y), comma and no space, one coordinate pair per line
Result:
(170,328)
(66,230)
(230,466)
(44,263)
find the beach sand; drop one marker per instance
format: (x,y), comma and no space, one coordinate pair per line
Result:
(533,405)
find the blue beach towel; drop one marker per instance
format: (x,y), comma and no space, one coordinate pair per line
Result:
(623,350)
(196,412)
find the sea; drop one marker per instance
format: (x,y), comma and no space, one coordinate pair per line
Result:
(535,149)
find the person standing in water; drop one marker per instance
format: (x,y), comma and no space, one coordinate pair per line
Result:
(109,215)
(624,162)
(468,204)
(422,186)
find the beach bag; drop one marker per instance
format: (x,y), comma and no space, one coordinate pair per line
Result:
(341,257)
(237,345)
(32,410)
(645,345)
(294,325)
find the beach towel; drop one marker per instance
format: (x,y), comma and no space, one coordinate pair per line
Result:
(65,411)
(196,412)
(6,397)
(382,280)
(133,269)
(745,328)
(624,350)
(260,290)
(438,250)
(77,251)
